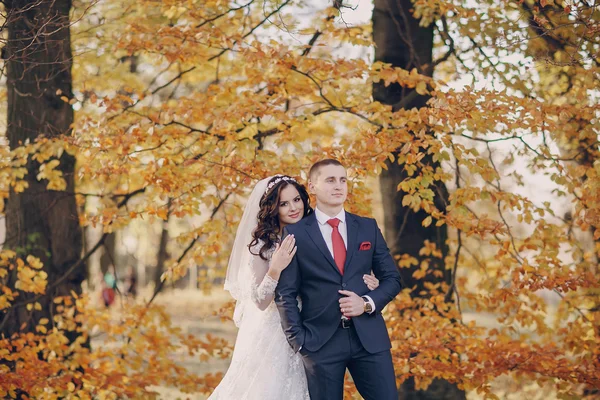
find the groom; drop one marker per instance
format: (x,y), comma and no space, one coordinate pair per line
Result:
(340,325)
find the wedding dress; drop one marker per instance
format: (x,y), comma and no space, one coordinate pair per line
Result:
(263,365)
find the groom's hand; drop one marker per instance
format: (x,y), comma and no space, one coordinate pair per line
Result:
(351,306)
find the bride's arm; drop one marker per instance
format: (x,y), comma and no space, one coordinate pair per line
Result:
(263,287)
(266,273)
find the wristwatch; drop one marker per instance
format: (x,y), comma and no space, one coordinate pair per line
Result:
(368,306)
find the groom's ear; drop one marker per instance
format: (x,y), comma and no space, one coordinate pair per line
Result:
(311,187)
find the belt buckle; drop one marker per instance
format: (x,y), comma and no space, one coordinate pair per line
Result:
(345,323)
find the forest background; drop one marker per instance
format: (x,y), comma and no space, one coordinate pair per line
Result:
(134,130)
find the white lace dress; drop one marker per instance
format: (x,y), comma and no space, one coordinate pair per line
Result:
(263,366)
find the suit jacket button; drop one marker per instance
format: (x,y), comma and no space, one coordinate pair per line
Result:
(344,285)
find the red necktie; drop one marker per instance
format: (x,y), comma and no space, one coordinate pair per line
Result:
(339,250)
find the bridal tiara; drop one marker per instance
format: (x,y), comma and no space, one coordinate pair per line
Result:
(276,181)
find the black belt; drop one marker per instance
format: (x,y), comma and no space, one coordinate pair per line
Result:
(346,323)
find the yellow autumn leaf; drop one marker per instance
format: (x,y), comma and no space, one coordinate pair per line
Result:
(421,88)
(427,221)
(34,262)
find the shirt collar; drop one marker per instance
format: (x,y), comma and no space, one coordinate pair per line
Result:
(323,218)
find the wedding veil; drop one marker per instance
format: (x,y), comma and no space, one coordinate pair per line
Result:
(239,275)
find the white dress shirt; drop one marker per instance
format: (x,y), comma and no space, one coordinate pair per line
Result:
(326,231)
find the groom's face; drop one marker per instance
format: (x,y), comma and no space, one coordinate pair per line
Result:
(330,185)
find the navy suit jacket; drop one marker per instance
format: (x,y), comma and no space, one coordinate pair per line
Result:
(313,275)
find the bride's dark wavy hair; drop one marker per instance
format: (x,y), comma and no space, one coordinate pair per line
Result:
(267,229)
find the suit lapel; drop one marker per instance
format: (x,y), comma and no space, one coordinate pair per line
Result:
(352,233)
(312,227)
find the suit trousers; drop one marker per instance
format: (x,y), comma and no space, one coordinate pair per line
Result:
(373,374)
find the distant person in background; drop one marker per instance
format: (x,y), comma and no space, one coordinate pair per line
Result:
(109,285)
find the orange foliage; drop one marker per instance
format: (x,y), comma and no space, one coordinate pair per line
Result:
(223,97)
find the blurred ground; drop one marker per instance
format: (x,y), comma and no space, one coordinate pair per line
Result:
(193,312)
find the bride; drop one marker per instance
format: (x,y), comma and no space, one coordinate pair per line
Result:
(264,366)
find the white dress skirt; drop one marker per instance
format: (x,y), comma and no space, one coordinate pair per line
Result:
(263,365)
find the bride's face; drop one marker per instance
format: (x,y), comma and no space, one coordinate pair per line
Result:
(291,207)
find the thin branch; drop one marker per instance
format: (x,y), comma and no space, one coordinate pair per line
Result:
(445,33)
(453,289)
(216,17)
(337,4)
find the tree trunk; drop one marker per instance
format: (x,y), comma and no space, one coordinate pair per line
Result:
(162,256)
(401,42)
(108,257)
(41,222)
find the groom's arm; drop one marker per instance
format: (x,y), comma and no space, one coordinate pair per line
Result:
(286,295)
(385,270)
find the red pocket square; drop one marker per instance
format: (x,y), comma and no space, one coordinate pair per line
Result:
(365,246)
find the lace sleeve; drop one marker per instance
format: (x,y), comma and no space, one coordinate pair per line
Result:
(263,287)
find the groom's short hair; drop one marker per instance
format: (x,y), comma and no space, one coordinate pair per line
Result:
(313,173)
